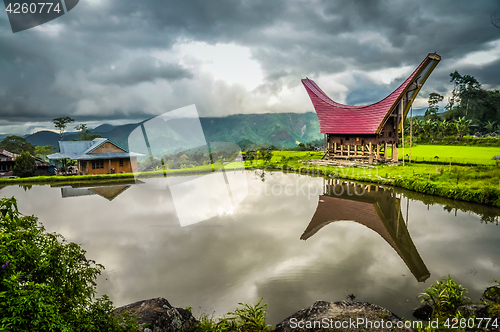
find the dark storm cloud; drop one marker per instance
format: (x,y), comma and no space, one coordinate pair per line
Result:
(210,21)
(369,35)
(66,67)
(143,69)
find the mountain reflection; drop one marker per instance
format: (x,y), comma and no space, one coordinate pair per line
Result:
(374,207)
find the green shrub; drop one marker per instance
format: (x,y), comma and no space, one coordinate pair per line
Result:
(445,297)
(24,165)
(46,283)
(247,319)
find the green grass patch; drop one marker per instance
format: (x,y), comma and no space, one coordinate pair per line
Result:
(458,154)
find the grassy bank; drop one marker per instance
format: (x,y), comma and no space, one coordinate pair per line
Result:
(479,183)
(114,177)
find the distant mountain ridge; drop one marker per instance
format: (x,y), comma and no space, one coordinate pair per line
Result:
(279,129)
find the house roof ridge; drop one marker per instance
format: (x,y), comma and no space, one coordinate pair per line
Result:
(336,118)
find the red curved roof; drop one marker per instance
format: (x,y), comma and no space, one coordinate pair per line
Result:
(335,118)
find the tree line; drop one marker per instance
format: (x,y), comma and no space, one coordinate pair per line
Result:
(471,109)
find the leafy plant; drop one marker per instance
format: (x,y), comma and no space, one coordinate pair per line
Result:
(445,297)
(46,283)
(250,318)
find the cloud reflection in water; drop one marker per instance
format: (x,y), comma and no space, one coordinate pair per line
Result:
(256,251)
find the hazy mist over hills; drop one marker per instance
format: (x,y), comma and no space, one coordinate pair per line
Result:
(279,129)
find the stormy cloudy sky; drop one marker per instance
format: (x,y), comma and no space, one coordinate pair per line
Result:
(120,61)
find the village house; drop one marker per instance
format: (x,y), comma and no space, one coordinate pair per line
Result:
(6,162)
(44,168)
(100,156)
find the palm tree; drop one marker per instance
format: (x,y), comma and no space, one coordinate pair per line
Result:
(489,126)
(417,126)
(430,128)
(462,125)
(443,127)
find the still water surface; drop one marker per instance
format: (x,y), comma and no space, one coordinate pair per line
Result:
(293,240)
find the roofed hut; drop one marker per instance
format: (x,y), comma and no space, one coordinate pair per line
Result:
(366,132)
(100,156)
(6,161)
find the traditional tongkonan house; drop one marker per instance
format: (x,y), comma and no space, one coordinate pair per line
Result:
(366,132)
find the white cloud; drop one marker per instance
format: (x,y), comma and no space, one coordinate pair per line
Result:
(481,58)
(228,62)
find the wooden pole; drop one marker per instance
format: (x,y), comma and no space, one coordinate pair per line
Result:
(402,128)
(370,155)
(394,151)
(411,129)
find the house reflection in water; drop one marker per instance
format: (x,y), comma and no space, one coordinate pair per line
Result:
(108,192)
(374,207)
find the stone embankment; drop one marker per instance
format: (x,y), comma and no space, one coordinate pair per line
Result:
(158,315)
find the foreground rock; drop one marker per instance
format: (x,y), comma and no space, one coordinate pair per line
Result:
(343,316)
(158,315)
(423,311)
(492,293)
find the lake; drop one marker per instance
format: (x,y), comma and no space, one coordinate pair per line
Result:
(290,239)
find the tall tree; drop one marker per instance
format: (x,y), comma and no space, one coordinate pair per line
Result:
(61,124)
(84,133)
(470,100)
(17,144)
(470,95)
(432,110)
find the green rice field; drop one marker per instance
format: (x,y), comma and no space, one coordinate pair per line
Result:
(458,154)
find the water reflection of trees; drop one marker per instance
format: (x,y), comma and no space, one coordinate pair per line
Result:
(26,187)
(372,206)
(488,214)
